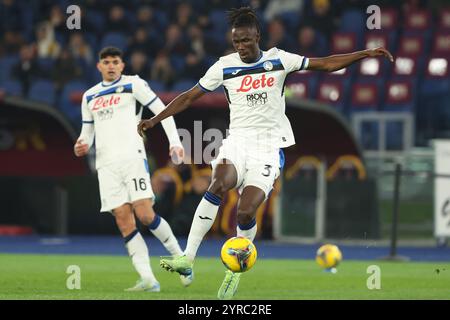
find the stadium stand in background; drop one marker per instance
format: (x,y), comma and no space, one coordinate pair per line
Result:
(172,43)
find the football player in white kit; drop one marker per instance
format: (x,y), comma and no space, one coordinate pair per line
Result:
(250,158)
(110,114)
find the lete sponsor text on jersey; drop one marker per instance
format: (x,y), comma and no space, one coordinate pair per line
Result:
(249,83)
(104,102)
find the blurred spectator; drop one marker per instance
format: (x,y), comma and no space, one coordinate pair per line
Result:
(197,41)
(57,20)
(138,65)
(80,49)
(11,43)
(162,70)
(201,46)
(277,7)
(308,44)
(321,17)
(278,37)
(10,16)
(204,22)
(204,46)
(47,46)
(65,69)
(184,15)
(27,69)
(229,44)
(117,21)
(142,42)
(175,42)
(194,68)
(146,19)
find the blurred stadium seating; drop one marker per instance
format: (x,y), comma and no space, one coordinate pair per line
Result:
(416,85)
(417,34)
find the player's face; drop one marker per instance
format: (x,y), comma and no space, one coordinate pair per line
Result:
(111,68)
(245,42)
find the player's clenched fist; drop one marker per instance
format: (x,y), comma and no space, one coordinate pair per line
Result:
(80,149)
(144,125)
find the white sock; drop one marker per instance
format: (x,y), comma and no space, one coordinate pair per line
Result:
(203,220)
(161,229)
(138,251)
(248,231)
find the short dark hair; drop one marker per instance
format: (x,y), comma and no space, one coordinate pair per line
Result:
(243,17)
(110,52)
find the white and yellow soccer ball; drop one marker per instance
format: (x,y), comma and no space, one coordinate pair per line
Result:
(328,256)
(238,254)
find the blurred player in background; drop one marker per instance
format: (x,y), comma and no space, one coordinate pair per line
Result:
(109,114)
(250,158)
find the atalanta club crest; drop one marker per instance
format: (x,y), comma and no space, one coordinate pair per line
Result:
(268,66)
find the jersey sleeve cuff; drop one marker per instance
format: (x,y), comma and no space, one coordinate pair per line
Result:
(203,88)
(151,101)
(305,63)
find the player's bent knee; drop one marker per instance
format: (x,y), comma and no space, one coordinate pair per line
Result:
(246,215)
(219,187)
(144,211)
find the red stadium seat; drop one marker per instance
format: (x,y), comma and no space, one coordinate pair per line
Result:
(342,77)
(299,89)
(404,66)
(441,44)
(371,67)
(399,96)
(364,96)
(436,80)
(389,19)
(411,45)
(444,19)
(303,83)
(374,40)
(418,20)
(330,92)
(343,42)
(437,67)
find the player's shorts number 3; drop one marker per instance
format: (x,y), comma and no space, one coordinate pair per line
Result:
(266,172)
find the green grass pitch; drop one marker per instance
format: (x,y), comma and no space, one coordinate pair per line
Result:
(26,276)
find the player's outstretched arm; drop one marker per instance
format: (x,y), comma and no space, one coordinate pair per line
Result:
(177,105)
(339,61)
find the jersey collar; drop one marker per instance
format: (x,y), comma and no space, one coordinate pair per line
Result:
(110,84)
(259,58)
